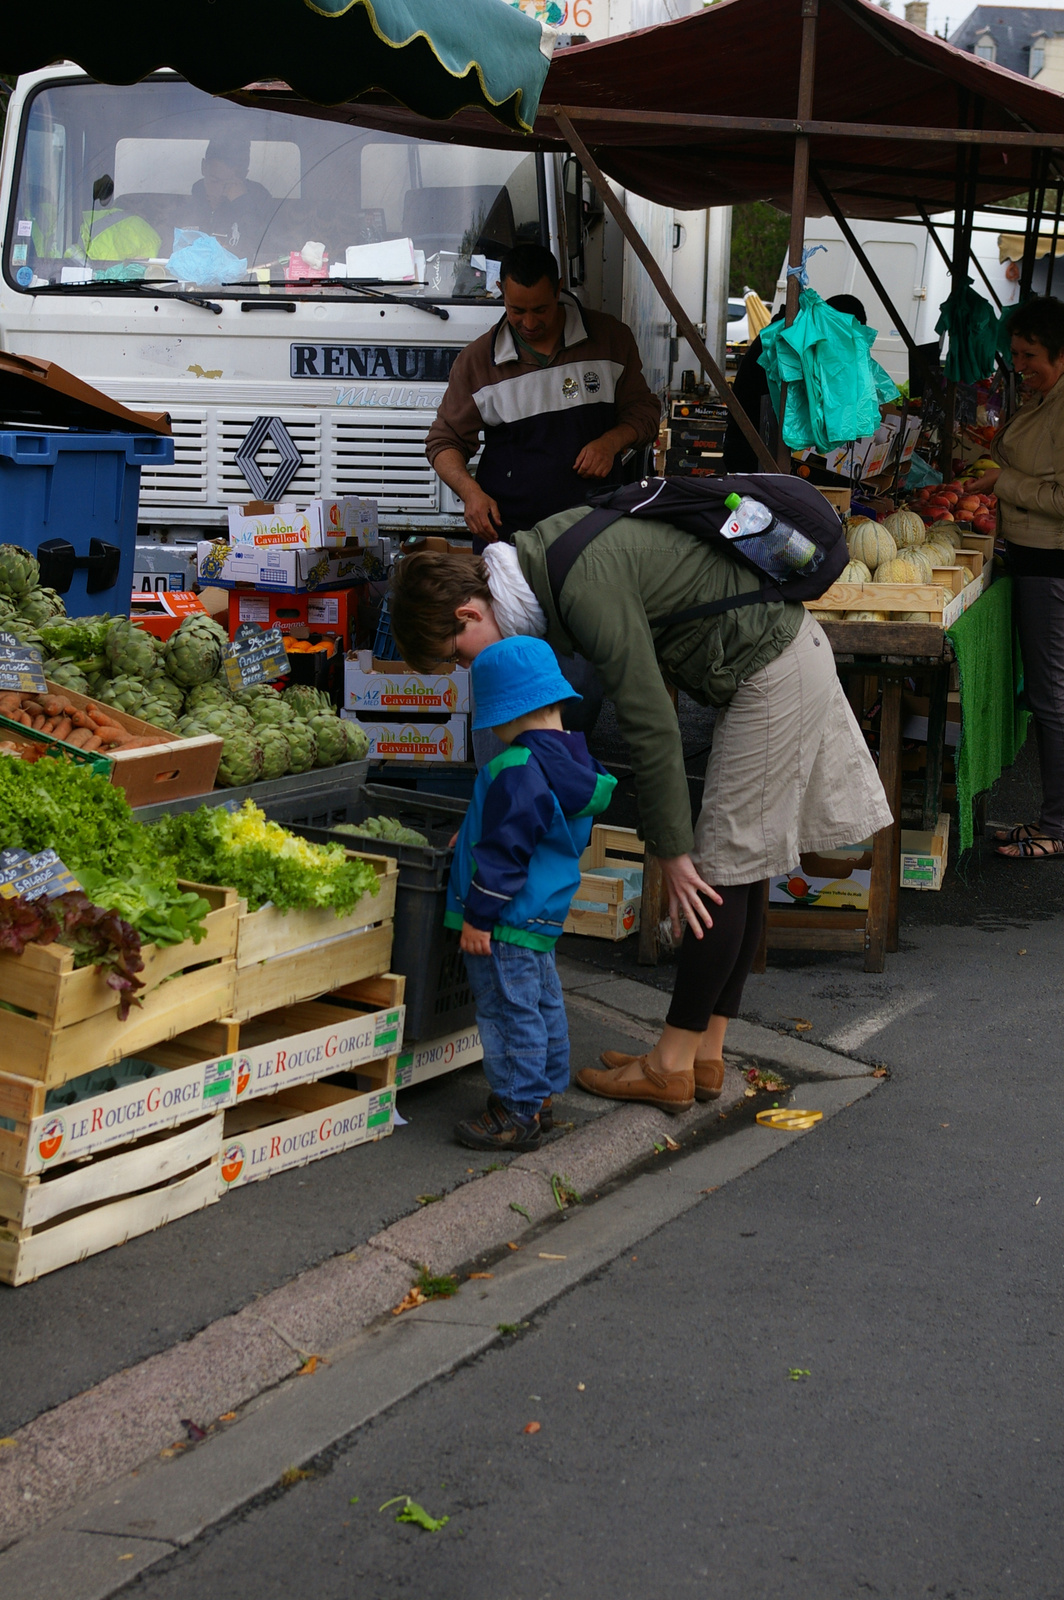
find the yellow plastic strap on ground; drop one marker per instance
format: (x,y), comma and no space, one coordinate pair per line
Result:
(789,1119)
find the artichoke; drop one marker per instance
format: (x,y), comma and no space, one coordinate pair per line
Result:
(331,737)
(124,693)
(193,654)
(241,761)
(41,605)
(160,687)
(274,712)
(357,741)
(159,713)
(215,692)
(223,720)
(275,752)
(302,746)
(131,653)
(25,632)
(66,674)
(7,608)
(19,572)
(191,726)
(305,701)
(256,691)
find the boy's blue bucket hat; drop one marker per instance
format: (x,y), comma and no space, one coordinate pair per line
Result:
(516,676)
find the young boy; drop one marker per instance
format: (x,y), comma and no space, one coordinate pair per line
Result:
(516,868)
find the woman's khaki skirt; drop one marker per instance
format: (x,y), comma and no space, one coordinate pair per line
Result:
(789,770)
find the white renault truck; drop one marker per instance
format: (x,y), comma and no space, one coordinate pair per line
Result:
(292,291)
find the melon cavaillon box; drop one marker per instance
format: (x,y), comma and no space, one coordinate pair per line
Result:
(834,880)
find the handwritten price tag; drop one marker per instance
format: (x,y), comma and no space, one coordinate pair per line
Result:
(21,666)
(256,655)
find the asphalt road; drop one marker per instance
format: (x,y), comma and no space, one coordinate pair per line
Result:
(840,1375)
(105,1313)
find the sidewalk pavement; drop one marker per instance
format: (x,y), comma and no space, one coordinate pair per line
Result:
(138,1413)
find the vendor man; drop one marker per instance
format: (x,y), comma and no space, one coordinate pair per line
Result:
(559,394)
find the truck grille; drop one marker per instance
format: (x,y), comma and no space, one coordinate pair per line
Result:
(185,482)
(382,454)
(305,430)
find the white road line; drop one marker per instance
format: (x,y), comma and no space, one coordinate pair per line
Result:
(859,1033)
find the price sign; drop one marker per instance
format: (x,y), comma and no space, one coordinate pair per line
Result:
(43,873)
(256,655)
(21,666)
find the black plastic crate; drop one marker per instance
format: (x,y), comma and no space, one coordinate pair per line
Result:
(318,797)
(438,996)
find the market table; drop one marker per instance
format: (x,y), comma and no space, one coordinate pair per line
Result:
(981,643)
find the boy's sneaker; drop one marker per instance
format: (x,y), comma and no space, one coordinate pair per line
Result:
(546,1111)
(499,1129)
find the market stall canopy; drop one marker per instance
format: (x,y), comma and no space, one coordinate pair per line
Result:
(436,56)
(701,112)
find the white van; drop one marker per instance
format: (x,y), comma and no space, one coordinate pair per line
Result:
(911,269)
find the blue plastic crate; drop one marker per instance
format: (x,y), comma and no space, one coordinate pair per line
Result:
(76,494)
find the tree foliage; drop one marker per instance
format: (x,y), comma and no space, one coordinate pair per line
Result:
(758,244)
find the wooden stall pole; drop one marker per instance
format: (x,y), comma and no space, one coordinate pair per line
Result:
(973,260)
(662,285)
(799,194)
(882,925)
(1036,199)
(1051,263)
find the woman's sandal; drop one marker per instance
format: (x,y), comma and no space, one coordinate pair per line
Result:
(1022,830)
(1032,849)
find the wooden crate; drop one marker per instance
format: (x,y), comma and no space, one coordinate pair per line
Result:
(268,932)
(170,771)
(946,599)
(68,1024)
(300,1125)
(205,1069)
(839,498)
(611,847)
(51,1221)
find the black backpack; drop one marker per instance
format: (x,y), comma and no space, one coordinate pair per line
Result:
(697,506)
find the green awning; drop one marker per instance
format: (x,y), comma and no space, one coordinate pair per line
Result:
(436,57)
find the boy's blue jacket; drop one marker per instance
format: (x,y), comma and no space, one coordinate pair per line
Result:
(516,863)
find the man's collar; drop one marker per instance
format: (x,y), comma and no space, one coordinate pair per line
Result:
(504,346)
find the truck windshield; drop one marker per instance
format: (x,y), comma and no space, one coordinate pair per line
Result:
(158,181)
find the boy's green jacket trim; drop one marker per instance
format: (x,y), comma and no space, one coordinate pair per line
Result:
(506,934)
(634,570)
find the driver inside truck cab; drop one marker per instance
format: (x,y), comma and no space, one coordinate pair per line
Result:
(227,203)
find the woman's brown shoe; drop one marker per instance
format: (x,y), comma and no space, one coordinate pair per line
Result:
(637,1079)
(709,1075)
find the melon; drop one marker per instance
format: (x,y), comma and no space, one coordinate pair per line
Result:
(896,571)
(967,576)
(918,556)
(905,528)
(855,572)
(871,543)
(828,616)
(940,551)
(915,616)
(867,616)
(949,531)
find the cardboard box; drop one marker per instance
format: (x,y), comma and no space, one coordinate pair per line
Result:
(286,571)
(413,741)
(329,611)
(419,1062)
(924,855)
(161,612)
(833,880)
(393,686)
(324,524)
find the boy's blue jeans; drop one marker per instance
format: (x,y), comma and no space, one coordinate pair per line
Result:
(522,1022)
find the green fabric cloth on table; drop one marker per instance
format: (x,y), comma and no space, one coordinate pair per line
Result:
(993,726)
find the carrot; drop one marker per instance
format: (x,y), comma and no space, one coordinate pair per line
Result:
(93,742)
(62,728)
(25,719)
(81,719)
(39,721)
(80,737)
(51,704)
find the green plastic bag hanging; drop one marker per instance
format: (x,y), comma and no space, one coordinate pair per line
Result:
(973,334)
(834,387)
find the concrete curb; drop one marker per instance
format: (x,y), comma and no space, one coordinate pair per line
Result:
(129,1418)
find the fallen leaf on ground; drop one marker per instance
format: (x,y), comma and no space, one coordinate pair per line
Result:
(309,1366)
(513,1247)
(801,1026)
(193,1429)
(292,1475)
(227,1416)
(515,1207)
(128,1557)
(544,1256)
(531,1427)
(796,1374)
(482,1274)
(881,1072)
(427,1199)
(670,1144)
(412,1512)
(8,1444)
(408,1302)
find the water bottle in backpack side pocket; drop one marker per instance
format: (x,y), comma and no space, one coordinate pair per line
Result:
(765,539)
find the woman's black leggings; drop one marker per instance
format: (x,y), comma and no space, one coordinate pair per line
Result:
(713,969)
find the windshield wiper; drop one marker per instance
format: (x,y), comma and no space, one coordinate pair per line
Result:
(129,286)
(357,286)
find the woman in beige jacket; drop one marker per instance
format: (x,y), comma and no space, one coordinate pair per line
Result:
(1029,485)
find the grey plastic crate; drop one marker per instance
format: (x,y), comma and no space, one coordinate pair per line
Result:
(438,996)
